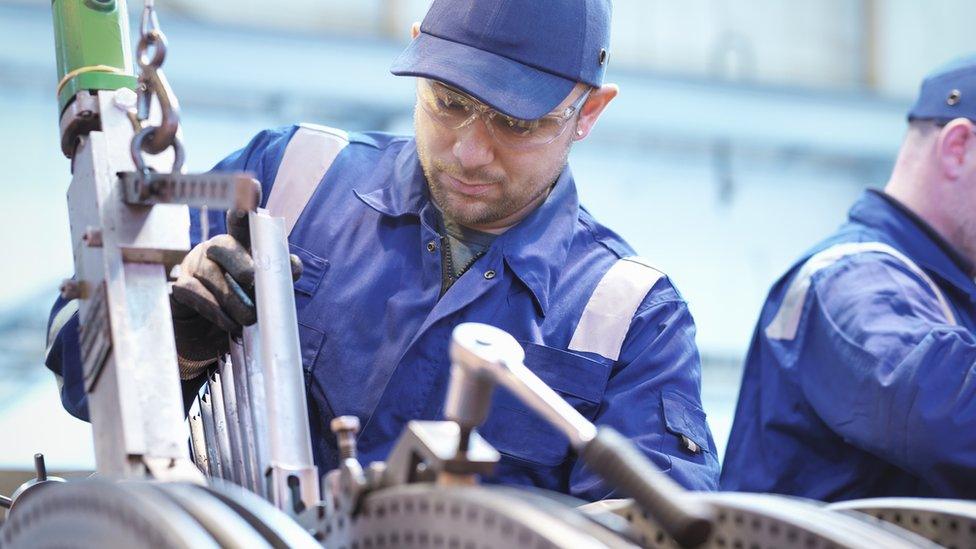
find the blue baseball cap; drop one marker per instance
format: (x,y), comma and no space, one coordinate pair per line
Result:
(521,57)
(947,93)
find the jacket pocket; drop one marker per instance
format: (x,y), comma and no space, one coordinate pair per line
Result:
(519,432)
(313,270)
(686,425)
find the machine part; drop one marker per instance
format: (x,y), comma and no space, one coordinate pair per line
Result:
(210,434)
(130,372)
(239,464)
(345,429)
(91,41)
(95,336)
(227,528)
(947,522)
(150,54)
(767,521)
(479,351)
(427,451)
(80,117)
(198,444)
(221,191)
(31,488)
(215,392)
(102,513)
(251,350)
(277,528)
(99,513)
(293,476)
(241,386)
(426,515)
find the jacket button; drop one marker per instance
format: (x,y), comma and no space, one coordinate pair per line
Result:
(489,274)
(431,246)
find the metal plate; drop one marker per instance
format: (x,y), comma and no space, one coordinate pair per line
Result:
(426,515)
(948,522)
(760,521)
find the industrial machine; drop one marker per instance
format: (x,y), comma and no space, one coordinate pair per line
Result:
(246,479)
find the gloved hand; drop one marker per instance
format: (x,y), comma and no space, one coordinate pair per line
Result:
(214,296)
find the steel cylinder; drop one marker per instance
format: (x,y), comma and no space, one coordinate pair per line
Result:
(91,39)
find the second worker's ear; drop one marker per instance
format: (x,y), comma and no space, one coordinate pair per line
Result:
(414,30)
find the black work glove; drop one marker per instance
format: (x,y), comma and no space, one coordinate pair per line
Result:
(214,296)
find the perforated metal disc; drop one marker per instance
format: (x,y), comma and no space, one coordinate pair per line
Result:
(761,521)
(948,522)
(98,513)
(477,517)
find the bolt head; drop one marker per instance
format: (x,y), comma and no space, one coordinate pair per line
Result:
(125,99)
(345,424)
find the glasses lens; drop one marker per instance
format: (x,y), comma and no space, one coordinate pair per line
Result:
(446,106)
(516,132)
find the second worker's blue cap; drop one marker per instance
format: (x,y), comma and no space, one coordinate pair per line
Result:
(947,93)
(521,57)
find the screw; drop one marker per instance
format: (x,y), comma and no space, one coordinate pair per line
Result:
(346,428)
(92,237)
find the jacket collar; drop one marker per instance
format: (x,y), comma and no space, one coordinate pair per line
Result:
(534,250)
(914,236)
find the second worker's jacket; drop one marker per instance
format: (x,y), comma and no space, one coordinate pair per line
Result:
(861,378)
(374,332)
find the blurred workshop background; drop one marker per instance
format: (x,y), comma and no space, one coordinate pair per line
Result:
(743,132)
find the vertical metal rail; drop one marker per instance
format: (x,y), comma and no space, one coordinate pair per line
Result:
(229,396)
(198,443)
(220,426)
(293,476)
(245,418)
(210,434)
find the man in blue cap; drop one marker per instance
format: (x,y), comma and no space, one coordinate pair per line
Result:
(860,380)
(475,219)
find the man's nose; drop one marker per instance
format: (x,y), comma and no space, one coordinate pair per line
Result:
(473,146)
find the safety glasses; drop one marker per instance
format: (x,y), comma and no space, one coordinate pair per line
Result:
(454,109)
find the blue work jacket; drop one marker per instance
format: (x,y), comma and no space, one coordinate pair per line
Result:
(876,394)
(374,332)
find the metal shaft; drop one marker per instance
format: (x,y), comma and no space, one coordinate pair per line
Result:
(292,470)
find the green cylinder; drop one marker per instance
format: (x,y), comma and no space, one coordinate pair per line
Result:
(91,38)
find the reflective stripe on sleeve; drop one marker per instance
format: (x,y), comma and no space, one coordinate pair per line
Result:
(309,154)
(787,320)
(60,319)
(606,319)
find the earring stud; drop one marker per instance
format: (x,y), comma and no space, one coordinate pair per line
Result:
(579,133)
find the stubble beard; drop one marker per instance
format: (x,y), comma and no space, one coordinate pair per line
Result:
(475,213)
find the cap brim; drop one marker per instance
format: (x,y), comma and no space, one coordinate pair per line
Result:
(508,86)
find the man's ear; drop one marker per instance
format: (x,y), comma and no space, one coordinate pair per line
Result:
(414,30)
(953,147)
(593,108)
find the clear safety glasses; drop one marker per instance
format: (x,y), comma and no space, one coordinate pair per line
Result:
(455,110)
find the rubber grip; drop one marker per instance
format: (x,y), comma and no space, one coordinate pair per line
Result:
(617,461)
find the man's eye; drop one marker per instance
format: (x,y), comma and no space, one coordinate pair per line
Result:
(519,127)
(451,103)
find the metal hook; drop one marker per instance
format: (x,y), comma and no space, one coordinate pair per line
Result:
(136,150)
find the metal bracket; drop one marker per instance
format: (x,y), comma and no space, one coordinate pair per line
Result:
(214,190)
(428,451)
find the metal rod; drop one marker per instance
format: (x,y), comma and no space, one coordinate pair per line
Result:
(252,468)
(198,443)
(259,407)
(220,424)
(281,360)
(229,395)
(210,434)
(39,467)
